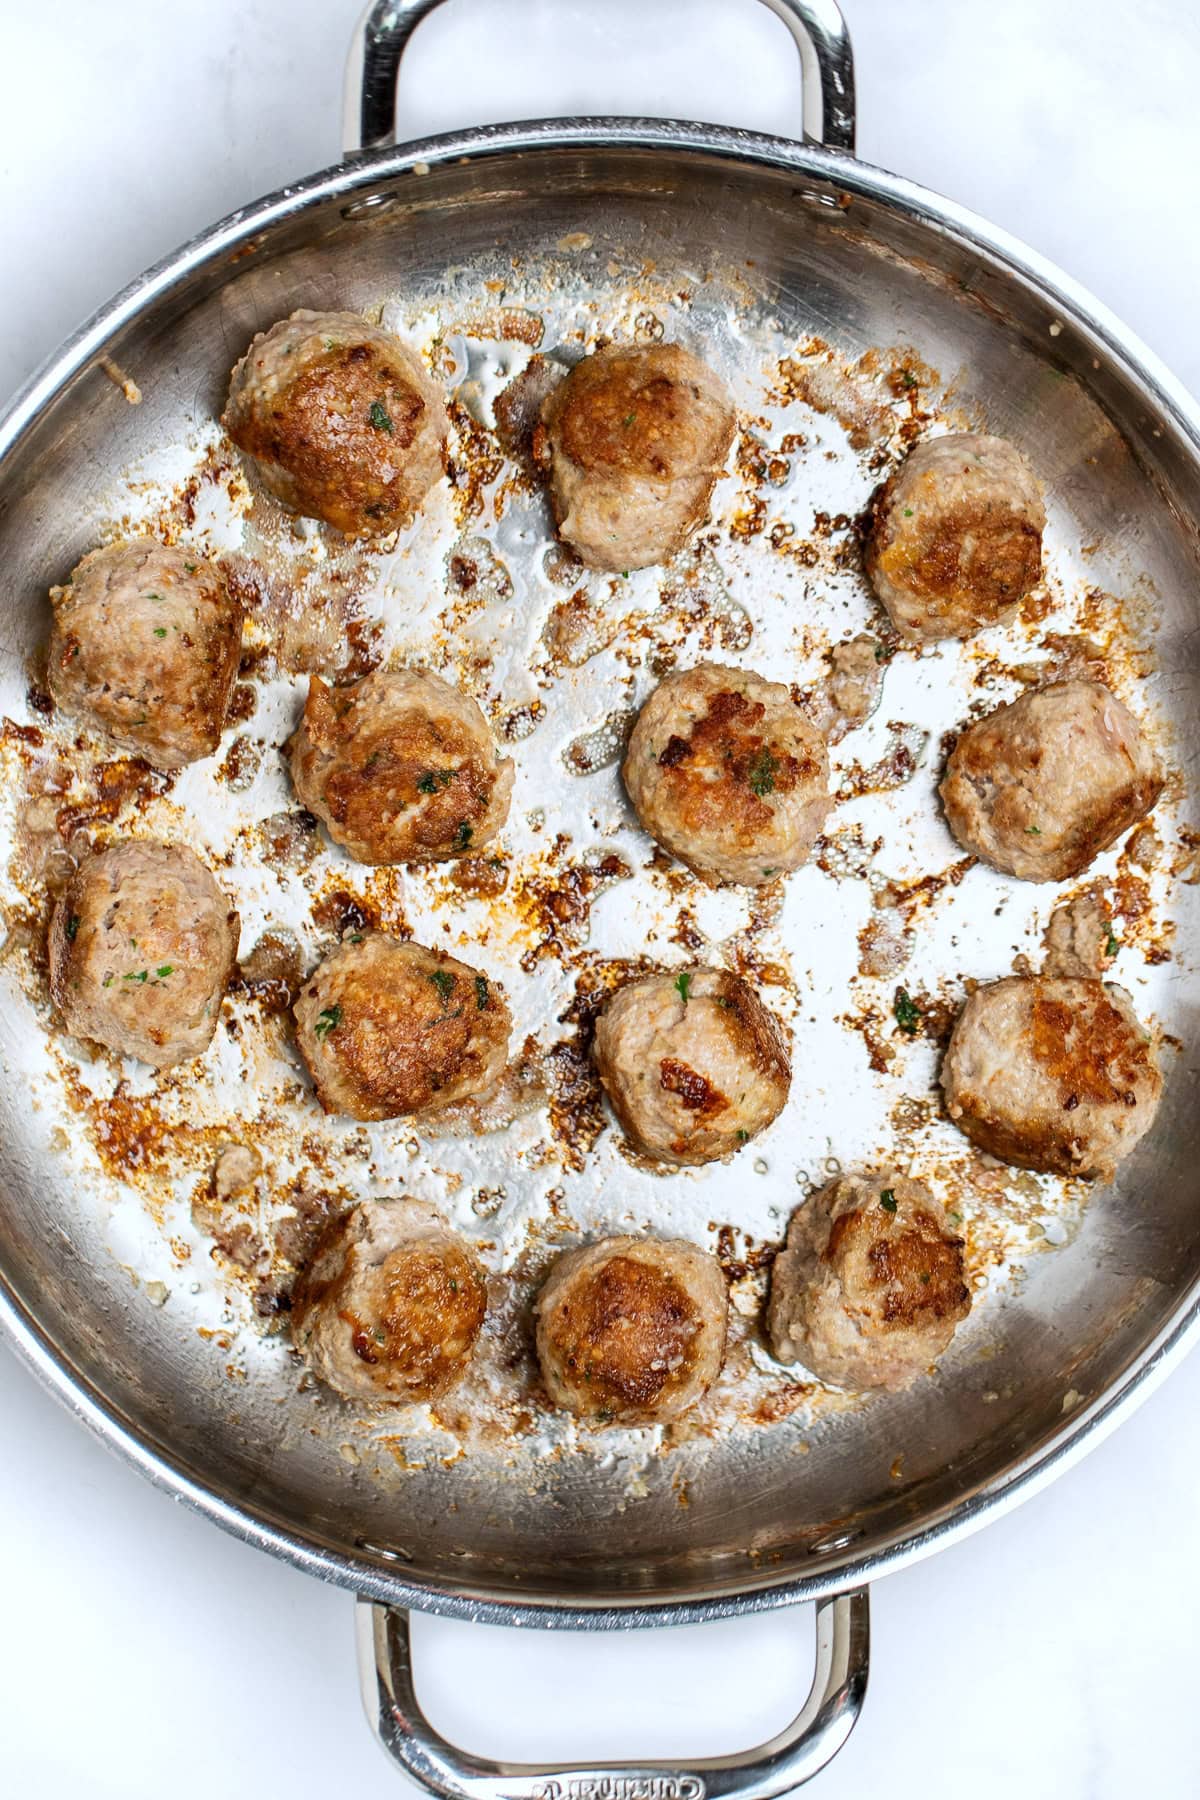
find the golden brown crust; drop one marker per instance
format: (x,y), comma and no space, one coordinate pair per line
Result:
(400,767)
(390,1029)
(917,1264)
(991,555)
(627,1333)
(721,771)
(345,424)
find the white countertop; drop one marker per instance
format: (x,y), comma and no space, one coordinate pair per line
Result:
(145,1653)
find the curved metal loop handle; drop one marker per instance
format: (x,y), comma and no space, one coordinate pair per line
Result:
(819,30)
(801,1751)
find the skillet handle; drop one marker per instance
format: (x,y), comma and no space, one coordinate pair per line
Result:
(819,30)
(784,1762)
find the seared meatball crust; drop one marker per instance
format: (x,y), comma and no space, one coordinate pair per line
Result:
(956,538)
(633,441)
(390,1030)
(1039,788)
(631,1331)
(726,773)
(401,768)
(142,944)
(144,649)
(869,1287)
(693,1064)
(341,419)
(391,1305)
(1052,1074)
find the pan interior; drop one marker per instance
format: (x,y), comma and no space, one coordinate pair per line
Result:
(700,241)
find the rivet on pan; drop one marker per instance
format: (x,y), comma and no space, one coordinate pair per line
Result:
(369,203)
(396,1553)
(839,1540)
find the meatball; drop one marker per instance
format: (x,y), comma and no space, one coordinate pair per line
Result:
(389,1029)
(694,1064)
(142,945)
(956,540)
(1052,1074)
(633,441)
(1041,787)
(631,1331)
(391,1304)
(401,767)
(342,421)
(727,773)
(869,1287)
(144,649)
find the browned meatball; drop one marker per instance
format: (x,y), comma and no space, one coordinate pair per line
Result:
(726,773)
(694,1064)
(142,945)
(633,441)
(144,649)
(401,767)
(869,1287)
(342,420)
(631,1331)
(1052,1074)
(956,540)
(390,1029)
(1041,787)
(391,1305)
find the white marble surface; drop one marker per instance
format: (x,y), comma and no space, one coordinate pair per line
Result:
(144,1653)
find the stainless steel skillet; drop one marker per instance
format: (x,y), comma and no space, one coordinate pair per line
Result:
(874,258)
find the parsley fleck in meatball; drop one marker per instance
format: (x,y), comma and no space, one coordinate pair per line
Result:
(956,540)
(142,945)
(144,649)
(391,1029)
(727,773)
(631,1331)
(341,419)
(1052,1074)
(401,767)
(391,1305)
(694,1064)
(1041,787)
(869,1287)
(633,441)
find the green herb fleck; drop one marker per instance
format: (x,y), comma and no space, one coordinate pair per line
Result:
(1111,943)
(141,975)
(356,937)
(604,1418)
(379,417)
(628,420)
(166,969)
(884,652)
(724,1002)
(908,1014)
(769,872)
(189,568)
(463,835)
(157,599)
(72,927)
(379,1334)
(327,1021)
(925,1277)
(682,984)
(955,1218)
(453,1285)
(907,378)
(762,773)
(908,512)
(160,631)
(1033,831)
(481,993)
(107,982)
(888,1200)
(433,779)
(743,1137)
(624,574)
(443,981)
